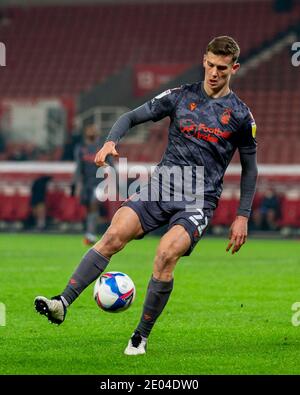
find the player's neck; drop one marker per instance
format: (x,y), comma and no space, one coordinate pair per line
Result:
(216,94)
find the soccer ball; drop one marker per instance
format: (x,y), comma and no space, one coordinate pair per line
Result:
(114,292)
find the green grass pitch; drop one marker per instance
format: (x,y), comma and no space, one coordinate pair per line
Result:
(227,314)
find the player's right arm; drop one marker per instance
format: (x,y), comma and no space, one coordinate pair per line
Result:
(107,149)
(154,110)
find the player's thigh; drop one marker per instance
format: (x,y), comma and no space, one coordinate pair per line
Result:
(126,220)
(194,222)
(124,227)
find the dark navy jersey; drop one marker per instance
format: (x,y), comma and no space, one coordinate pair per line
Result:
(204,132)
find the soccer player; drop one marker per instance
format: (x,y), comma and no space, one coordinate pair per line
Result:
(85,180)
(208,122)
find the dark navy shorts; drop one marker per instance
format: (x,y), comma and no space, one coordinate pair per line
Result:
(154,214)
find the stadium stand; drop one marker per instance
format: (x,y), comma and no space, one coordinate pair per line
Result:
(61,51)
(272,91)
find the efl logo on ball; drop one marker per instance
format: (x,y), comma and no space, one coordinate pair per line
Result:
(114,292)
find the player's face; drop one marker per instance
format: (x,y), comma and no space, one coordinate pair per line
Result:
(218,70)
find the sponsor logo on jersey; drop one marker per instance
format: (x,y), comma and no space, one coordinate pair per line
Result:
(201,131)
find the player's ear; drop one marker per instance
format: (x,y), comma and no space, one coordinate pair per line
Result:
(204,60)
(235,67)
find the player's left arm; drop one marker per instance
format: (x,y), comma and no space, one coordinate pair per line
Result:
(247,148)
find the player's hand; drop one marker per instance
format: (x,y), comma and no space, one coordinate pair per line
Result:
(107,149)
(237,234)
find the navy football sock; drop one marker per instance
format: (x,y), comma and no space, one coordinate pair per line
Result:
(158,294)
(90,267)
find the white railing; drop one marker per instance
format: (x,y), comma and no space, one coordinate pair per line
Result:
(105,116)
(69,167)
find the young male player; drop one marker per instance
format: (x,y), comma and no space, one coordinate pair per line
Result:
(208,122)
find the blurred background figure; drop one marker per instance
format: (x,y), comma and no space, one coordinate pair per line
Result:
(267,215)
(38,201)
(85,181)
(2,146)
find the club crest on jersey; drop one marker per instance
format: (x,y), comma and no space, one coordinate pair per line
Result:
(192,106)
(225,117)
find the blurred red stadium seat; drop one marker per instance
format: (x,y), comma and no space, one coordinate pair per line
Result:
(226,211)
(146,34)
(70,210)
(290,212)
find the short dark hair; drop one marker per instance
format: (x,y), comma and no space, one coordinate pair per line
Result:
(224,45)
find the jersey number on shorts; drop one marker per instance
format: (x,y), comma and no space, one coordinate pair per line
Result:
(195,219)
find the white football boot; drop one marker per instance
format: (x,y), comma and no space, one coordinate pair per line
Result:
(53,308)
(137,345)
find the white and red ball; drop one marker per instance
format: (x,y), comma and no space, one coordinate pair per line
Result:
(114,291)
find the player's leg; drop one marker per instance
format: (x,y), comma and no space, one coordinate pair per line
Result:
(172,246)
(39,212)
(124,227)
(91,223)
(185,230)
(89,200)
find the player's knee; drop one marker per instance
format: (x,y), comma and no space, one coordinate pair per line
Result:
(110,243)
(164,265)
(166,258)
(170,251)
